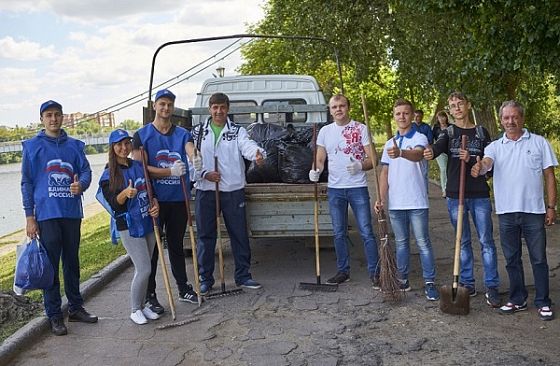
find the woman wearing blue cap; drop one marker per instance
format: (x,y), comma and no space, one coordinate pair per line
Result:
(124,188)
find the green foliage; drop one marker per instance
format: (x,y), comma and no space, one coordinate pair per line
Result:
(88,127)
(130,125)
(90,150)
(10,157)
(491,50)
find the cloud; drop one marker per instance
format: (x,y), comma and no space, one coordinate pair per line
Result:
(88,10)
(24,50)
(18,82)
(103,53)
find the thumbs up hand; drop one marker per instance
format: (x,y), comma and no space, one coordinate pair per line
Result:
(130,190)
(477,168)
(259,158)
(354,167)
(75,187)
(394,151)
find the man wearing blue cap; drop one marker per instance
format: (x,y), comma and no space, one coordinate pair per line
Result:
(166,146)
(54,173)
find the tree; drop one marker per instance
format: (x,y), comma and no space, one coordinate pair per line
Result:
(130,125)
(490,50)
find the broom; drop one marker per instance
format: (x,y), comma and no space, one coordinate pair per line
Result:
(388,273)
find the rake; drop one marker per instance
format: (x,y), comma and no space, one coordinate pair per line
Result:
(223,292)
(318,286)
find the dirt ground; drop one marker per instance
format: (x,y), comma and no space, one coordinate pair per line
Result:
(283,325)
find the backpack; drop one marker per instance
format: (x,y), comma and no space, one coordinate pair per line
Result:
(452,132)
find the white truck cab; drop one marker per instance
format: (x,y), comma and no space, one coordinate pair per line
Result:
(278,99)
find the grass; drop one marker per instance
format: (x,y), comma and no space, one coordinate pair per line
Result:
(96,252)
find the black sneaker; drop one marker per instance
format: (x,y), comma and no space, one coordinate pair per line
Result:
(404,285)
(57,326)
(188,296)
(545,313)
(511,308)
(81,315)
(493,297)
(470,288)
(340,277)
(153,304)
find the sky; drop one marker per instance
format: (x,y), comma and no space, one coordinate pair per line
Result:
(92,55)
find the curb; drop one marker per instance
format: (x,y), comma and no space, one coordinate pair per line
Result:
(21,340)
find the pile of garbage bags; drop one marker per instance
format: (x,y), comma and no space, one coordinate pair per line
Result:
(289,154)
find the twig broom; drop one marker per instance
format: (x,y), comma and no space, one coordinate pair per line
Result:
(388,274)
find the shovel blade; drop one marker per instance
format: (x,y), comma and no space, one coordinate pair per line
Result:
(317,287)
(455,305)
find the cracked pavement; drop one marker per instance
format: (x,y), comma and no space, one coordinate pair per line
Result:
(283,325)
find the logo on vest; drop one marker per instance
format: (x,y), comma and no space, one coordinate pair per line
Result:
(142,196)
(166,159)
(60,175)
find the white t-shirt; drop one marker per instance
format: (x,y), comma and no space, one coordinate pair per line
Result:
(518,172)
(344,144)
(407,186)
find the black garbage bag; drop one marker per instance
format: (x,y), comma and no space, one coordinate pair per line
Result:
(294,162)
(261,132)
(268,172)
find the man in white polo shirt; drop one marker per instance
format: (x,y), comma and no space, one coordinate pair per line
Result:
(403,191)
(520,160)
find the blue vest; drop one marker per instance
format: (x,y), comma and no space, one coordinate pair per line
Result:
(162,152)
(51,164)
(138,219)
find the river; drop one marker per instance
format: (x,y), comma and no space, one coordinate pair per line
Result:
(12,217)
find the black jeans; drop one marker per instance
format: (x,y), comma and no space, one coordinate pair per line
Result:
(61,239)
(173,221)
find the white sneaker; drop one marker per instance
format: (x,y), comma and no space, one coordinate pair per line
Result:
(149,314)
(138,317)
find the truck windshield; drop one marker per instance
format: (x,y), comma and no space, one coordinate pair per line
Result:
(243,118)
(283,118)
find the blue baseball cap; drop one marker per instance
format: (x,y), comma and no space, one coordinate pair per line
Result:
(118,135)
(49,104)
(164,93)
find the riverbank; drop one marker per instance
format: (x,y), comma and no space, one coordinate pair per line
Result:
(8,242)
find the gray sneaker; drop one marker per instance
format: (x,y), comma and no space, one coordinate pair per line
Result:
(375,283)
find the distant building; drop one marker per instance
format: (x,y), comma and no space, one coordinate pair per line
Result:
(103,119)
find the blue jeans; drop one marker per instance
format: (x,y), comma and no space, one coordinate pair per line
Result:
(358,198)
(61,239)
(232,205)
(401,220)
(481,213)
(531,226)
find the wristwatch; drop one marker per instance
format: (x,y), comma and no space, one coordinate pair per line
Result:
(551,207)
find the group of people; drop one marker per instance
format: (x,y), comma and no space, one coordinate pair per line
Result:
(55,172)
(519,161)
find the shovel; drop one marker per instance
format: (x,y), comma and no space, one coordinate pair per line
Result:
(318,286)
(455,299)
